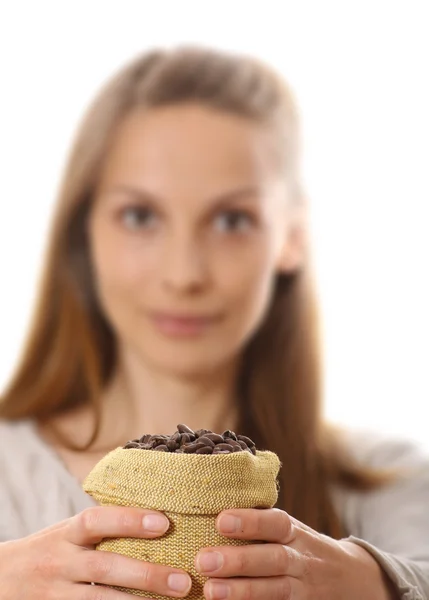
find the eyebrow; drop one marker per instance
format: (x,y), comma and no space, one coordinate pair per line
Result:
(249,191)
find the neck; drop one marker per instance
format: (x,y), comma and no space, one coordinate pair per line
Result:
(141,399)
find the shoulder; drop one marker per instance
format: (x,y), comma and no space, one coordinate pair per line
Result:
(374,450)
(16,448)
(15,435)
(16,466)
(26,463)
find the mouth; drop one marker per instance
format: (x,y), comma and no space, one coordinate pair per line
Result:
(183,325)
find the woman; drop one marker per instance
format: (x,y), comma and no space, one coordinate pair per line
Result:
(178,288)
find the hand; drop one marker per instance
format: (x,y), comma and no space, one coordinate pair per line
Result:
(295,563)
(60,562)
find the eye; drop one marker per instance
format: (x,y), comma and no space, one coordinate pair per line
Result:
(138,217)
(231,221)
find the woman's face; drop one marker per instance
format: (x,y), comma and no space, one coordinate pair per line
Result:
(188,231)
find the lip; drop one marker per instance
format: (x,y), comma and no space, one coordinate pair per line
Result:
(183,325)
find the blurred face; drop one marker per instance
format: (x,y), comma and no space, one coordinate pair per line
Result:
(188,231)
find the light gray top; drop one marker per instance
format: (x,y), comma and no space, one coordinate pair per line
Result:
(36,490)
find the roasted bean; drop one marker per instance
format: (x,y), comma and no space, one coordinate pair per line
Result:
(207,441)
(214,437)
(201,432)
(193,447)
(162,448)
(172,445)
(201,441)
(246,440)
(225,446)
(185,439)
(181,428)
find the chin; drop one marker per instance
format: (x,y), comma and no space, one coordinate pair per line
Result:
(189,363)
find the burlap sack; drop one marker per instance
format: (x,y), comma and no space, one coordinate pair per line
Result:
(191,489)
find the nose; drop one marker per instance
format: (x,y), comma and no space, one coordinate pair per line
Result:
(184,266)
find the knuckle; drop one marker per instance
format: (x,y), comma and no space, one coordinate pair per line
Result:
(88,519)
(281,559)
(242,562)
(310,564)
(283,525)
(259,524)
(283,591)
(127,519)
(247,591)
(146,576)
(99,565)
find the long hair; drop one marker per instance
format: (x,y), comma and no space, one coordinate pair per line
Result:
(70,352)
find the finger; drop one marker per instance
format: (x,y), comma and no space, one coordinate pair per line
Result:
(258,560)
(270,525)
(93,593)
(110,568)
(96,523)
(286,588)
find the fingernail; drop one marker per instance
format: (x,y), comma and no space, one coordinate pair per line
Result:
(218,590)
(155,523)
(177,582)
(209,561)
(229,524)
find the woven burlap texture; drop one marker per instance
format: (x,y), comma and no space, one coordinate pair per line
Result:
(191,489)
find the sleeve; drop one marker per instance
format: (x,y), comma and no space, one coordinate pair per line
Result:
(392,523)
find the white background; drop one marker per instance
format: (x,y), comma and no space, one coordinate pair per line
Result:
(360,72)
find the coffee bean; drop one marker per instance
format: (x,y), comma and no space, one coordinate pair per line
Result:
(233,443)
(247,440)
(224,446)
(201,432)
(181,428)
(193,447)
(172,445)
(162,448)
(155,440)
(185,439)
(207,441)
(189,449)
(214,437)
(132,445)
(201,441)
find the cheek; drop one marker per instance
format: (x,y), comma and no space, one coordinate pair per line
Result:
(121,265)
(248,281)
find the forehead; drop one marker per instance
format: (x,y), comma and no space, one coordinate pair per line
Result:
(189,143)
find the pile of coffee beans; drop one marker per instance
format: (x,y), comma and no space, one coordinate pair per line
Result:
(201,441)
